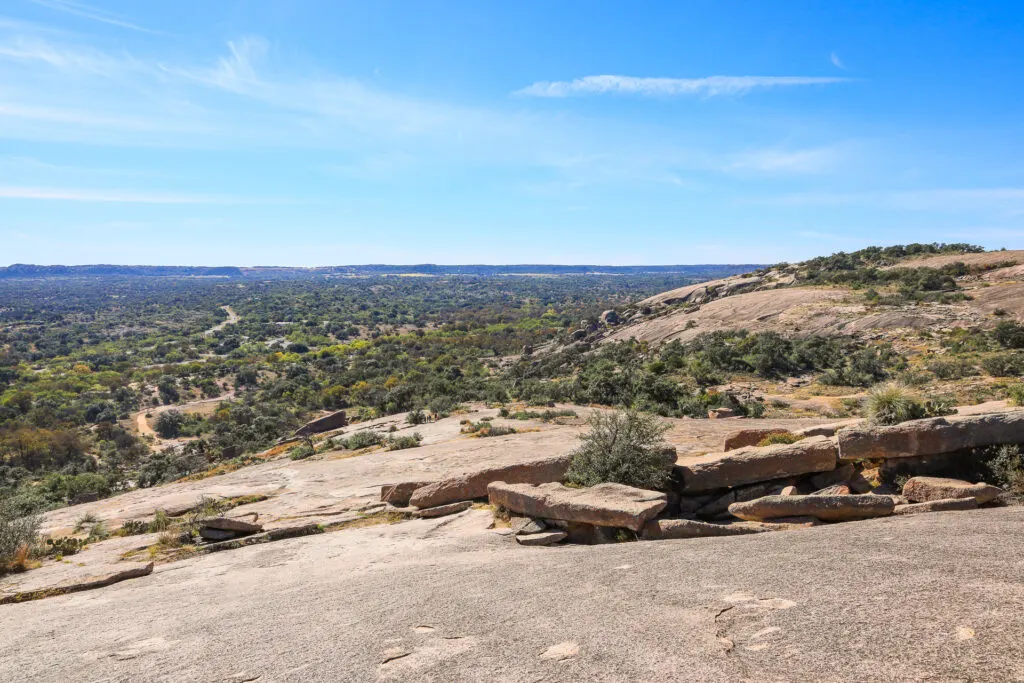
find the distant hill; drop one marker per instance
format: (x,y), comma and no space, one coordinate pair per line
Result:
(701,271)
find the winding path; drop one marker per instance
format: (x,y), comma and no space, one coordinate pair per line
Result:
(232,319)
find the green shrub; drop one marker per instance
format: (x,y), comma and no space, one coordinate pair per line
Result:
(17,534)
(889,404)
(361,439)
(62,546)
(952,369)
(622,447)
(545,416)
(133,527)
(398,443)
(1006,467)
(484,428)
(416,417)
(1015,394)
(301,452)
(443,406)
(1004,364)
(754,409)
(1009,335)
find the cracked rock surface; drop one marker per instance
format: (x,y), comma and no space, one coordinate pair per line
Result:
(405,603)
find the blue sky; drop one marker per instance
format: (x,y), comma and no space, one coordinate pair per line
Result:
(316,133)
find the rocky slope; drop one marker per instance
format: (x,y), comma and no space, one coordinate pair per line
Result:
(774,301)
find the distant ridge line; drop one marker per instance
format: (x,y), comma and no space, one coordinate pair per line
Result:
(21,270)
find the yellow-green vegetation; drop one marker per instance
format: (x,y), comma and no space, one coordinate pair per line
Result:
(484,429)
(891,403)
(371,519)
(779,438)
(81,357)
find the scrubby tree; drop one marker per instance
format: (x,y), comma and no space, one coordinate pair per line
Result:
(622,447)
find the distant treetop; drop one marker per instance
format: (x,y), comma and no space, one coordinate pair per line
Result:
(886,256)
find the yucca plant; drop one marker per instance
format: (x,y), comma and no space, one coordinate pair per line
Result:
(890,403)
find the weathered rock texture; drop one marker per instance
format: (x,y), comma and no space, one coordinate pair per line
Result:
(931,436)
(326,423)
(839,475)
(611,505)
(946,505)
(88,583)
(750,437)
(541,538)
(231,524)
(474,484)
(825,508)
(924,489)
(834,490)
(524,526)
(443,510)
(757,464)
(399,494)
(658,529)
(720,505)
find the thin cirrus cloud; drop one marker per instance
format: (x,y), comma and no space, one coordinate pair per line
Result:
(94,13)
(710,86)
(119,196)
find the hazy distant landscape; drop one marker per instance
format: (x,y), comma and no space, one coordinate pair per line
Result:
(458,341)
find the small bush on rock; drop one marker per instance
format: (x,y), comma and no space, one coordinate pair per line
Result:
(622,447)
(1015,395)
(18,534)
(889,404)
(398,443)
(361,439)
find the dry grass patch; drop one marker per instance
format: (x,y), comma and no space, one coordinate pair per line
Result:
(371,519)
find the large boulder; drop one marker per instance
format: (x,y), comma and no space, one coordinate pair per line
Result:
(610,505)
(931,436)
(474,484)
(757,464)
(924,489)
(825,508)
(750,437)
(947,505)
(399,494)
(335,420)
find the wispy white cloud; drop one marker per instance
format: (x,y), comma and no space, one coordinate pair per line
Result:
(27,48)
(787,161)
(89,12)
(710,86)
(836,62)
(121,196)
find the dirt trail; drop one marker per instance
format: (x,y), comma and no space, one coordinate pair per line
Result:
(232,319)
(142,422)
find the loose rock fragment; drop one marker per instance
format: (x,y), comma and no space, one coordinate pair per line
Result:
(443,510)
(542,538)
(924,489)
(613,505)
(947,505)
(826,508)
